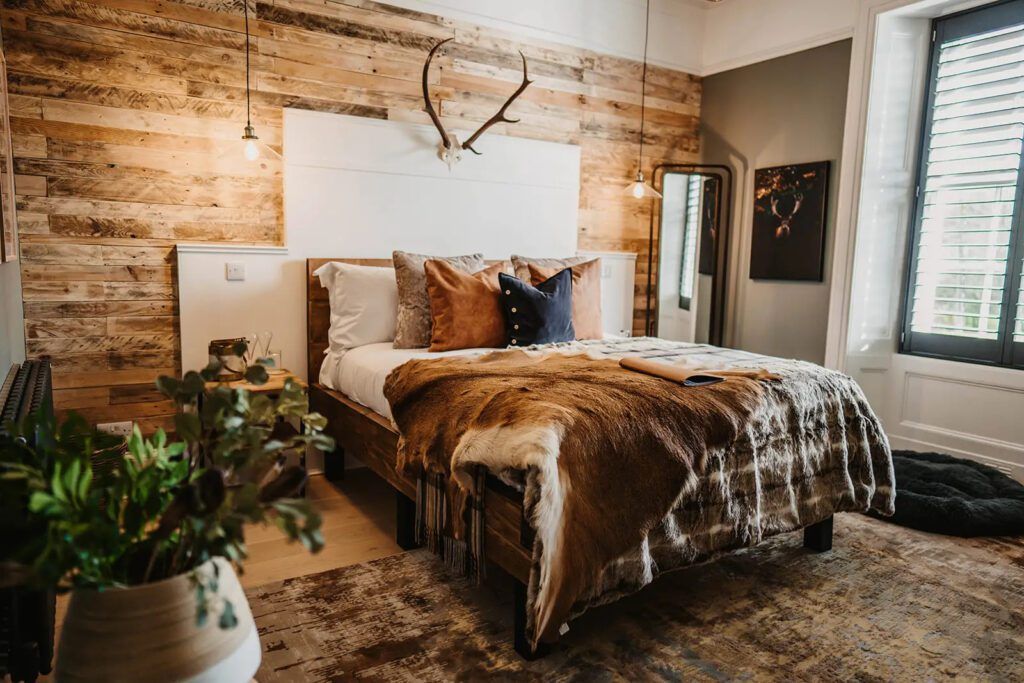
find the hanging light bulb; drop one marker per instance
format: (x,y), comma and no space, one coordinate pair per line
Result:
(253,149)
(640,188)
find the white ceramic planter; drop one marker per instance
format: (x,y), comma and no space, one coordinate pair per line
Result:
(149,633)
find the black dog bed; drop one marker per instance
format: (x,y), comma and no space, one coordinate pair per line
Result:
(954,496)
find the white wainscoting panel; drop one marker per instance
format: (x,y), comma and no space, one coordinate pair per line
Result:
(618,273)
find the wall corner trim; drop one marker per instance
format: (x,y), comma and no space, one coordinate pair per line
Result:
(808,43)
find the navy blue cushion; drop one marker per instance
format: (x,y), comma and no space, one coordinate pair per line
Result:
(541,314)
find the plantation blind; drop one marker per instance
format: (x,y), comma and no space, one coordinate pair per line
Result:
(691,232)
(964,293)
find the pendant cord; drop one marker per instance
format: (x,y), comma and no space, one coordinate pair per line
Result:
(643,93)
(248,105)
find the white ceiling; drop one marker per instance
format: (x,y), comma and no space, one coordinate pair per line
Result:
(696,36)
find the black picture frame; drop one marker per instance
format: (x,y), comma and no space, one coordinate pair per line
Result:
(790,209)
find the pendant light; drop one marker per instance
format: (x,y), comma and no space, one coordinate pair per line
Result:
(640,188)
(253,148)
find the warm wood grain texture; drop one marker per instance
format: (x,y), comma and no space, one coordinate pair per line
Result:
(358,526)
(126,116)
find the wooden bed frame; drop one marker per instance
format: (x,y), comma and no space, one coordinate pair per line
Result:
(368,436)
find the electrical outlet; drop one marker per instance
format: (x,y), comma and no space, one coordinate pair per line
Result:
(116,428)
(234,270)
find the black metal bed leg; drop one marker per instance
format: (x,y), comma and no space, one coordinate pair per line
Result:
(334,465)
(818,537)
(405,522)
(521,642)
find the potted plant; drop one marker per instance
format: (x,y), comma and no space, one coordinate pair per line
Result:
(149,547)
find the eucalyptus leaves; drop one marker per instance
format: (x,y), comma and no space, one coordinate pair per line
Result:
(165,507)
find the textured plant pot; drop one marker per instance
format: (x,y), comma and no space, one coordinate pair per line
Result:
(149,633)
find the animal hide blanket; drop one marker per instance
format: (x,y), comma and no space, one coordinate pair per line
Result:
(628,474)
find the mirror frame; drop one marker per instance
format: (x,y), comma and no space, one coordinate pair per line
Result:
(716,324)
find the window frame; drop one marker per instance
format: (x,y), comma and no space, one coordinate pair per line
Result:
(1002,351)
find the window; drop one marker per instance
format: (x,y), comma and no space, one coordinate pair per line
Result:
(691,228)
(965,299)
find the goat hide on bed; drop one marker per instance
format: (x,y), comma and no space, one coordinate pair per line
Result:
(627,474)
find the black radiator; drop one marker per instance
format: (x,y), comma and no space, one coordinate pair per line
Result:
(26,616)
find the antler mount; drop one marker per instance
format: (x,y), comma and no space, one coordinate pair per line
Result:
(450,149)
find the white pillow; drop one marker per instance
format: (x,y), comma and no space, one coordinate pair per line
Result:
(364,304)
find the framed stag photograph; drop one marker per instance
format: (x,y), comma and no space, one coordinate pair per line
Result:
(790,203)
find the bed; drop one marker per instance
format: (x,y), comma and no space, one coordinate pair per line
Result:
(349,390)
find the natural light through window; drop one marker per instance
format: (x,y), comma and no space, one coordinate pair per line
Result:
(690,241)
(964,258)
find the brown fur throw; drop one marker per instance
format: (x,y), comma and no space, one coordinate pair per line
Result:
(616,460)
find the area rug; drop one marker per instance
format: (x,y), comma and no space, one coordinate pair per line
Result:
(887,603)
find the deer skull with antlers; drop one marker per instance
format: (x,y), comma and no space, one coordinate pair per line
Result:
(450,149)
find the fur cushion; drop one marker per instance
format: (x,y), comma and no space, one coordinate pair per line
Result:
(956,497)
(412,326)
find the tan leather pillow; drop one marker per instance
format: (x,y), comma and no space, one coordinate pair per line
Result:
(586,295)
(522,264)
(465,309)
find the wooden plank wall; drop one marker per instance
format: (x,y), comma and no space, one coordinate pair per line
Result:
(126,116)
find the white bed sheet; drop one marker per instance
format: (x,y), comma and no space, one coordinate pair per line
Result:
(359,373)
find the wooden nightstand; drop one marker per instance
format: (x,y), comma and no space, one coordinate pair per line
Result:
(273,385)
(271,388)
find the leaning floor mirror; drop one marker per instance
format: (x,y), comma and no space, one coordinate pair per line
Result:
(689,238)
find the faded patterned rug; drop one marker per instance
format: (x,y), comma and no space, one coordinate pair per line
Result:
(887,603)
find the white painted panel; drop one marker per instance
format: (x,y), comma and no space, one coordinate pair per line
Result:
(271,298)
(334,141)
(618,273)
(969,408)
(362,188)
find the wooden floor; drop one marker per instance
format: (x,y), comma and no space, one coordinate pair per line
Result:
(358,525)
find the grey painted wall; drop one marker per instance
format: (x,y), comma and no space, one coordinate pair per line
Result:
(781,111)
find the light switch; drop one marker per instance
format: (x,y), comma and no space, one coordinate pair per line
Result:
(606,271)
(235,270)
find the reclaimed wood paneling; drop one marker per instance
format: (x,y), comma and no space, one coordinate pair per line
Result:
(126,117)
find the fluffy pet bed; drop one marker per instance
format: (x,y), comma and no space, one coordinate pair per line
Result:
(954,496)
